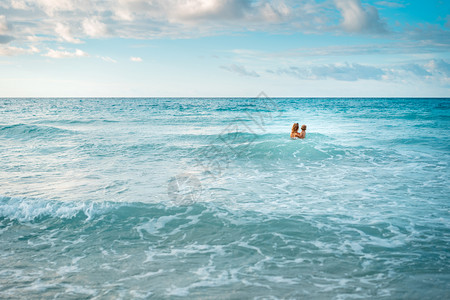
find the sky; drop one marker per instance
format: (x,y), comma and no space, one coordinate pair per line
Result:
(228,48)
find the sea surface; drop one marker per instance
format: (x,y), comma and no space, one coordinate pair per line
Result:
(170,198)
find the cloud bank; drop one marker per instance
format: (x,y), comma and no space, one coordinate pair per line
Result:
(240,70)
(343,72)
(74,21)
(433,70)
(38,23)
(63,29)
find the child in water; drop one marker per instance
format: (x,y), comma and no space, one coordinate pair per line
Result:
(296,134)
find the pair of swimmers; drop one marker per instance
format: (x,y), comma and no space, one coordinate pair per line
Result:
(296,134)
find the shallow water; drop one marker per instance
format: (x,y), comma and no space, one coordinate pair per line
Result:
(209,198)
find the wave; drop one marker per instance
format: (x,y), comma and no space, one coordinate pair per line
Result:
(36,210)
(252,146)
(81,121)
(29,209)
(268,146)
(25,131)
(276,149)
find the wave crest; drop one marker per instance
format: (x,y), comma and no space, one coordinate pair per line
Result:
(27,209)
(25,131)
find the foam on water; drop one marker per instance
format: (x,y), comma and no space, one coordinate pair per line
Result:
(93,198)
(29,210)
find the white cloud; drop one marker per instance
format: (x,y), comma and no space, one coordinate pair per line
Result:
(236,13)
(413,69)
(439,66)
(136,59)
(53,6)
(4,29)
(359,19)
(108,59)
(215,13)
(197,10)
(94,28)
(432,71)
(65,54)
(129,10)
(35,39)
(19,4)
(39,22)
(241,70)
(275,12)
(11,51)
(342,72)
(72,20)
(65,33)
(3,25)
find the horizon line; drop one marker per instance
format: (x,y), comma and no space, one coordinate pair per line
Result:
(224,97)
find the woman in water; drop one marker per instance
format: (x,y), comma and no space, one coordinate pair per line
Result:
(296,134)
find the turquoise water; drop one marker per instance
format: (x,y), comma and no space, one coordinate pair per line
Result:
(211,199)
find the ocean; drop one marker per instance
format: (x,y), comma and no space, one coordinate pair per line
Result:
(171,198)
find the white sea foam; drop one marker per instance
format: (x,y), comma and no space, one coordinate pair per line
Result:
(26,209)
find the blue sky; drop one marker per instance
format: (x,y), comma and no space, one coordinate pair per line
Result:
(212,48)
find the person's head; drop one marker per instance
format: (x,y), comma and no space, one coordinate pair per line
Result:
(303,127)
(294,127)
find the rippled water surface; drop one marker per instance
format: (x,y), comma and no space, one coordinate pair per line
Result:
(211,199)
